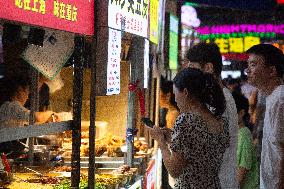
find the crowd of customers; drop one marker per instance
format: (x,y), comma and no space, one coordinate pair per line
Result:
(229,134)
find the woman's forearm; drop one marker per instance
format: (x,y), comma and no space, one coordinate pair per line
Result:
(173,164)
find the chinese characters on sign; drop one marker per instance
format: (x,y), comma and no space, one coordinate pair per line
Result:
(133,12)
(68,15)
(236,45)
(65,11)
(60,9)
(154,13)
(113,66)
(29,5)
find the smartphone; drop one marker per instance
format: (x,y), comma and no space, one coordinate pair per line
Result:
(147,121)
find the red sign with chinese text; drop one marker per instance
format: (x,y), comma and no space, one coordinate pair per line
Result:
(280,1)
(75,16)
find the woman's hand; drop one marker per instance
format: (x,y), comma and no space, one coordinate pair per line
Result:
(45,117)
(157,134)
(53,118)
(167,134)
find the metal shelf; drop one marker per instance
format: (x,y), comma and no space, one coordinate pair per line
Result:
(9,134)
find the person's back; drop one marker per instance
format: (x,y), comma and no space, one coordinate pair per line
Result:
(204,153)
(207,57)
(228,171)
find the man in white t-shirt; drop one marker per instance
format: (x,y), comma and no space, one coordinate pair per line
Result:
(207,57)
(265,71)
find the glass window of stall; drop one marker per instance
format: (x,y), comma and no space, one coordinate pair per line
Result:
(30,97)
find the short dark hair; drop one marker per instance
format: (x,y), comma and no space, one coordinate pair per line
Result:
(204,53)
(204,87)
(167,87)
(242,103)
(271,54)
(13,83)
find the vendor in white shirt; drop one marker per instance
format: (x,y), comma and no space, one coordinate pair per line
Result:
(265,71)
(12,111)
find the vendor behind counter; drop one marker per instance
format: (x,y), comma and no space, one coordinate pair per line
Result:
(12,110)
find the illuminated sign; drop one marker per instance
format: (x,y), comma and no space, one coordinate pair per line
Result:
(234,74)
(146,63)
(68,15)
(242,28)
(254,34)
(130,16)
(280,46)
(280,1)
(236,45)
(113,65)
(173,43)
(154,13)
(189,16)
(236,56)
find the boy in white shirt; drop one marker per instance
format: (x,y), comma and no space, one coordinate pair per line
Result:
(265,71)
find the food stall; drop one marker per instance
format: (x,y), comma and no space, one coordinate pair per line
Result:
(101,102)
(42,14)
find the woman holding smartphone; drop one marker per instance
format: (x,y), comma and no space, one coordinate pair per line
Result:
(193,150)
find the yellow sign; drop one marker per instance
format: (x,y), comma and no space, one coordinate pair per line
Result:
(235,44)
(154,16)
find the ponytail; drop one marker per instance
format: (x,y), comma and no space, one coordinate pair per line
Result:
(212,96)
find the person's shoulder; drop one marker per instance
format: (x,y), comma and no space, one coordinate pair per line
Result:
(228,96)
(230,103)
(245,131)
(281,93)
(4,106)
(277,96)
(226,91)
(187,118)
(7,104)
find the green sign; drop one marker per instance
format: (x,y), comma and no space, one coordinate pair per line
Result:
(173,43)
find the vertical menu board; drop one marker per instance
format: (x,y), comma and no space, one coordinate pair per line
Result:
(113,65)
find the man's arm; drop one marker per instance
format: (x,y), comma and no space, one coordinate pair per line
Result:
(282,166)
(279,120)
